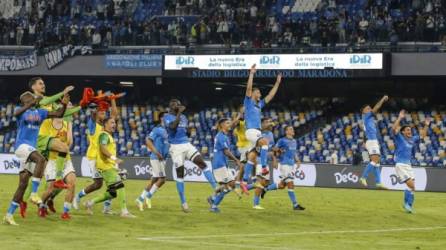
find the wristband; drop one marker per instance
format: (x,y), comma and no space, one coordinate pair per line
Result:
(113,158)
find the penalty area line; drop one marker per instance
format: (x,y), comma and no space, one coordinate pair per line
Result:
(389,230)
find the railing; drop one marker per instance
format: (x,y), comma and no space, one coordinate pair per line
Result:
(380,47)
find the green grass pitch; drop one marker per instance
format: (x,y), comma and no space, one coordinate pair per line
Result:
(334,219)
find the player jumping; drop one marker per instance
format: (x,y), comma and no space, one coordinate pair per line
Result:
(107,165)
(288,163)
(253,111)
(159,150)
(220,164)
(32,163)
(243,147)
(181,149)
(58,128)
(404,142)
(372,144)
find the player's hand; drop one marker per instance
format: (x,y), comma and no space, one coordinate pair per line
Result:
(119,161)
(65,99)
(68,89)
(279,78)
(160,157)
(402,114)
(239,164)
(181,109)
(385,98)
(253,69)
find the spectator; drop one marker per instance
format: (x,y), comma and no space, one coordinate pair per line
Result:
(96,40)
(334,158)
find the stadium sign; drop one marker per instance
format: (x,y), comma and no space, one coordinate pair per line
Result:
(303,176)
(129,61)
(9,164)
(390,179)
(16,63)
(369,61)
(57,56)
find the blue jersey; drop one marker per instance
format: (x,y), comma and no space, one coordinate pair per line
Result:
(289,149)
(221,143)
(28,125)
(253,113)
(178,135)
(270,137)
(369,126)
(403,148)
(158,135)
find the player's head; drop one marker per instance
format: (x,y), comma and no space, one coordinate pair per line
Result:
(160,118)
(256,94)
(406,131)
(241,110)
(224,124)
(366,109)
(174,104)
(37,85)
(289,131)
(101,115)
(110,125)
(267,123)
(27,98)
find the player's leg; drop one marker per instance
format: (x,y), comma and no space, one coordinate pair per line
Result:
(263,144)
(40,163)
(226,180)
(55,144)
(198,160)
(178,155)
(109,178)
(70,180)
(409,195)
(292,195)
(24,176)
(248,171)
(260,185)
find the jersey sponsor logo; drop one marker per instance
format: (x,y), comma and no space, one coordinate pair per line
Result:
(345,177)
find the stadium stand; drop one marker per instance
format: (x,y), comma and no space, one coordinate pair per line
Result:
(320,133)
(256,24)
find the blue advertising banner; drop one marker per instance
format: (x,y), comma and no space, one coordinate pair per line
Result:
(127,61)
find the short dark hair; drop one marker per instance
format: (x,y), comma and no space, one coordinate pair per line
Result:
(265,119)
(222,120)
(363,107)
(288,126)
(160,117)
(255,88)
(107,119)
(33,81)
(174,100)
(404,127)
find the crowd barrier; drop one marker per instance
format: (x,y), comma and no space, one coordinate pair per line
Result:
(317,175)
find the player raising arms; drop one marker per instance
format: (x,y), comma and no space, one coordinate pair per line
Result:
(46,143)
(181,149)
(253,111)
(107,165)
(32,163)
(61,129)
(372,144)
(288,162)
(95,127)
(220,164)
(159,150)
(404,143)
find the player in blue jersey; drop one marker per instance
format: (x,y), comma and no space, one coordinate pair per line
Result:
(253,113)
(222,175)
(32,163)
(404,143)
(181,149)
(288,164)
(159,150)
(372,143)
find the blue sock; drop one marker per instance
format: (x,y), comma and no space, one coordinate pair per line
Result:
(247,171)
(411,198)
(292,196)
(210,177)
(66,207)
(264,156)
(367,170)
(219,197)
(35,184)
(107,203)
(12,207)
(180,189)
(272,186)
(250,186)
(81,193)
(256,200)
(406,196)
(377,173)
(149,195)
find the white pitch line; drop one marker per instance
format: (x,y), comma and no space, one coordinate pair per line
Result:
(249,246)
(294,233)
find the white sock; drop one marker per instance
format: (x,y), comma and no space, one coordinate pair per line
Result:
(153,189)
(143,194)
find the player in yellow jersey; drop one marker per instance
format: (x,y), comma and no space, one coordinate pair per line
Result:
(45,142)
(107,165)
(58,128)
(95,127)
(243,146)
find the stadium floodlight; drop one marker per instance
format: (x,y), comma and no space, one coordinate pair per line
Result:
(126,84)
(218,88)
